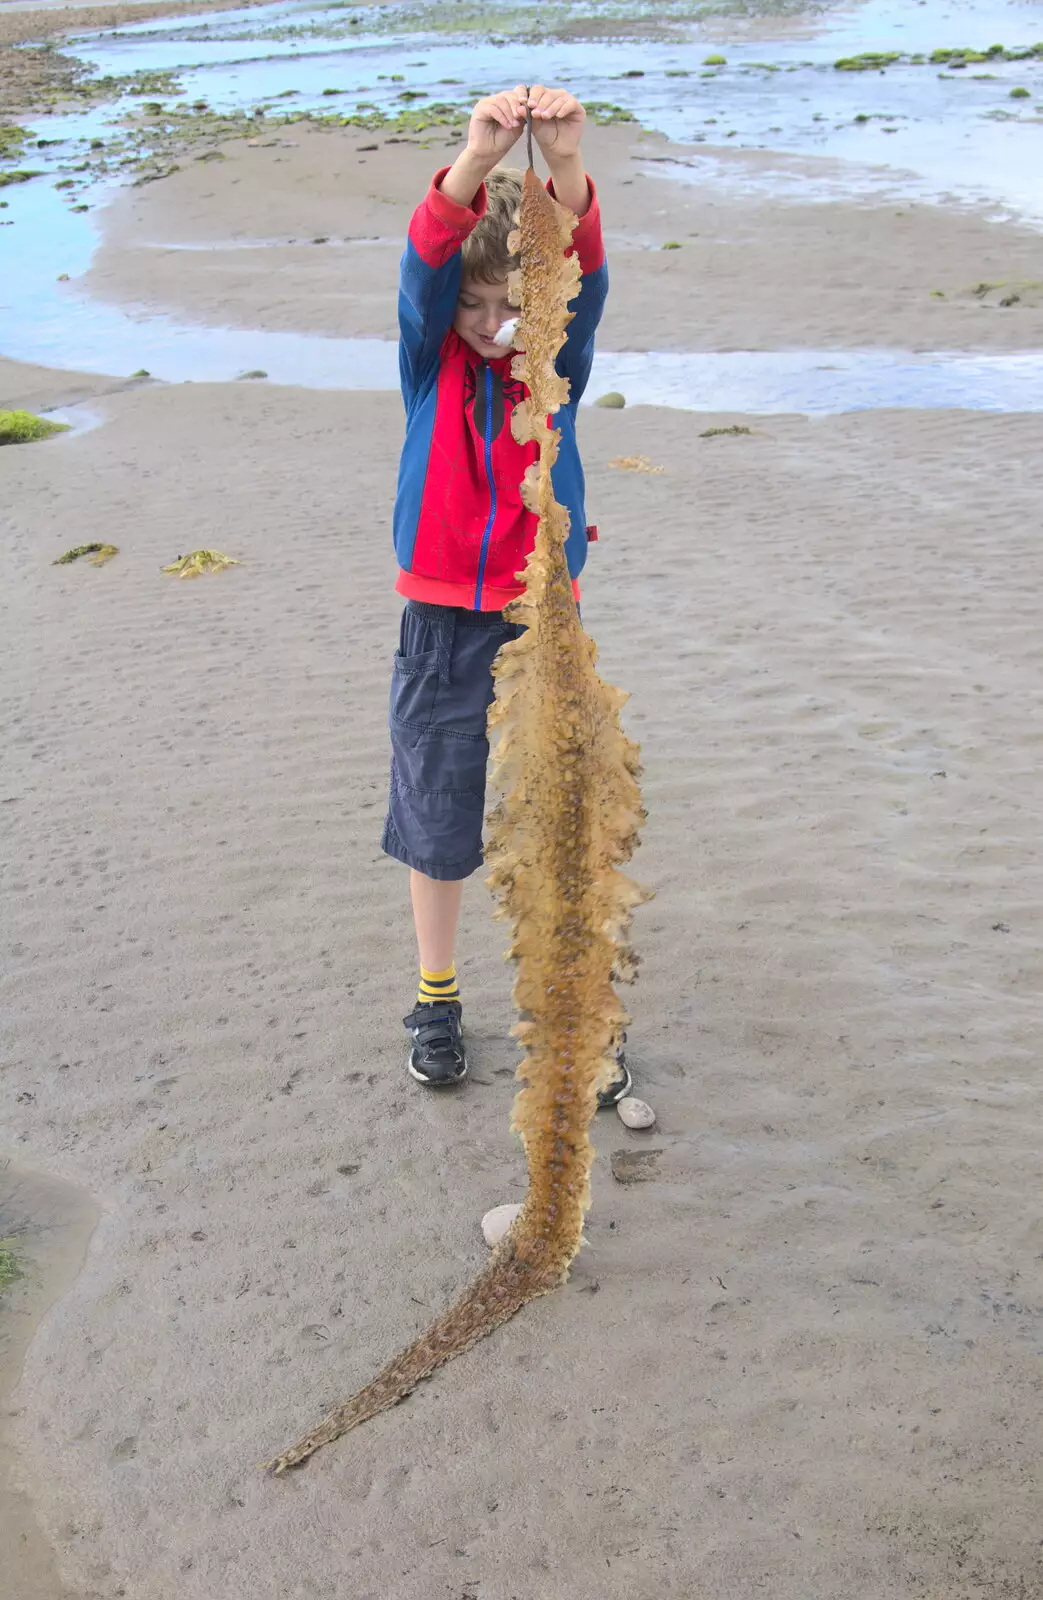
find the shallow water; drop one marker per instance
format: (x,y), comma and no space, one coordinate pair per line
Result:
(934,132)
(59,327)
(52,1223)
(814,382)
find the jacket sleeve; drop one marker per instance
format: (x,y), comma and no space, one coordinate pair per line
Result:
(577,353)
(429,280)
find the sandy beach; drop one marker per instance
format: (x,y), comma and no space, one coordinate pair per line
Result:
(801,1359)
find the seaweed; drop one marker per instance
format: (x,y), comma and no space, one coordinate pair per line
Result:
(13,140)
(22,427)
(567,822)
(98,553)
(869,61)
(12,1263)
(199,561)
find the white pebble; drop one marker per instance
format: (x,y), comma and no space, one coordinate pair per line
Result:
(634,1113)
(498,1222)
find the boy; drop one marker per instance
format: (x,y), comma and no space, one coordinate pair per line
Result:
(461,531)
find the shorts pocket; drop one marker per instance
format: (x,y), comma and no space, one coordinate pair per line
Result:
(414,687)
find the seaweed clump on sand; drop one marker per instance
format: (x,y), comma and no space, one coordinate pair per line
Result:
(96,553)
(567,823)
(199,561)
(12,1263)
(22,427)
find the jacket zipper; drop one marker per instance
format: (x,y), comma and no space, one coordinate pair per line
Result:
(487,535)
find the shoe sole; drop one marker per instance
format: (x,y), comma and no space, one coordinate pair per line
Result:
(435,1083)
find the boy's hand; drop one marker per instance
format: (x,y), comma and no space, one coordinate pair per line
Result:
(497,123)
(557,122)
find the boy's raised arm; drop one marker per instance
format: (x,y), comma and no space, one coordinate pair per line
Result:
(429,281)
(429,278)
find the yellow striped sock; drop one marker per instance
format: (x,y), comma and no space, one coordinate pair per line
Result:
(438,986)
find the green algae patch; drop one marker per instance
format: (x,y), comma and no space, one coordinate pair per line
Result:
(17,176)
(12,141)
(954,59)
(603,112)
(97,554)
(22,427)
(725,433)
(12,1263)
(870,61)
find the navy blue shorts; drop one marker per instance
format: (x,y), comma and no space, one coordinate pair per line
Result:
(441,690)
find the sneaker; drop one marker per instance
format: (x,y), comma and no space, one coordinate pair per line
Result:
(621,1084)
(437,1057)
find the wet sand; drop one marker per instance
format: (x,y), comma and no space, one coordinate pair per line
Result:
(50,1224)
(22,24)
(802,1359)
(814,1326)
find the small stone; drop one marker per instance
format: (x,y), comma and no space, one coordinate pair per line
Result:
(635,1113)
(498,1222)
(613,401)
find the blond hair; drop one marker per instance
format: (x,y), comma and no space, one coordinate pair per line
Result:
(485,253)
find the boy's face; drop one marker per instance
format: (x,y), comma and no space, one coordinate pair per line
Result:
(481,310)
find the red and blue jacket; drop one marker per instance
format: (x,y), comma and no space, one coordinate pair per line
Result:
(462,534)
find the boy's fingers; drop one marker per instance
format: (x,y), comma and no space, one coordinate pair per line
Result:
(486,111)
(508,109)
(504,112)
(548,103)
